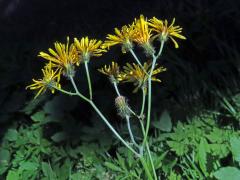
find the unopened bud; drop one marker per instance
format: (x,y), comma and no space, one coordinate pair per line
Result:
(122,106)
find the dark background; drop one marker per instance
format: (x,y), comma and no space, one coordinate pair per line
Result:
(206,63)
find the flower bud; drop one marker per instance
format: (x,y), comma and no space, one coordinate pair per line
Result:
(122,106)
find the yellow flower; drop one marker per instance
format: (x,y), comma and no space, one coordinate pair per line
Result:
(165,31)
(123,37)
(143,34)
(113,71)
(135,74)
(63,57)
(50,80)
(88,47)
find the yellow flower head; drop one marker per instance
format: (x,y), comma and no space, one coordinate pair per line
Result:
(88,47)
(165,31)
(143,34)
(135,74)
(113,71)
(123,37)
(50,80)
(63,57)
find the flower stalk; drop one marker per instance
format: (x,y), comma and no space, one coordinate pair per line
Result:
(64,59)
(88,79)
(101,115)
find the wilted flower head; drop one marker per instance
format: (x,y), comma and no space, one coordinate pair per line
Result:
(135,74)
(88,47)
(124,36)
(164,31)
(113,71)
(50,80)
(63,57)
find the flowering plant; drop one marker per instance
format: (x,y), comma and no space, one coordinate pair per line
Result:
(65,58)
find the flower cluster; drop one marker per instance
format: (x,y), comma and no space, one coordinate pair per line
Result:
(132,73)
(63,59)
(143,32)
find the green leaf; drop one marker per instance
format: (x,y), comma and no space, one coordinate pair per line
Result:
(38,116)
(76,176)
(30,166)
(112,166)
(179,148)
(48,172)
(235,148)
(4,157)
(202,155)
(4,161)
(164,123)
(13,175)
(121,161)
(232,173)
(58,137)
(159,159)
(11,135)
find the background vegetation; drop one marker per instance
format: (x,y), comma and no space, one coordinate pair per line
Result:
(195,133)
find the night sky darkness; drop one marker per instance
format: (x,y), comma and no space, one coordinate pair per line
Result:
(27,27)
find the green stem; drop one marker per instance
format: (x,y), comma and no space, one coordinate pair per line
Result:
(112,129)
(148,151)
(160,49)
(116,88)
(138,61)
(65,92)
(88,79)
(143,103)
(130,131)
(151,161)
(77,92)
(102,116)
(150,91)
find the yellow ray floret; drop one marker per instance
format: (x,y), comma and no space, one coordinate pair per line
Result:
(124,36)
(50,80)
(113,71)
(135,74)
(142,32)
(63,55)
(165,31)
(88,47)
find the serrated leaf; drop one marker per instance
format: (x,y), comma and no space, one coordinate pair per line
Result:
(58,137)
(235,148)
(178,147)
(11,135)
(164,123)
(232,173)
